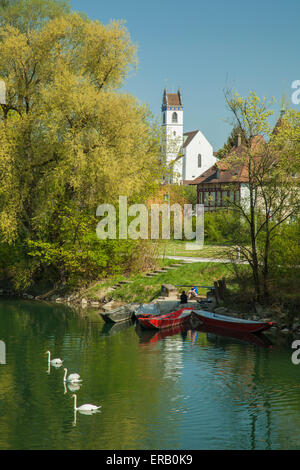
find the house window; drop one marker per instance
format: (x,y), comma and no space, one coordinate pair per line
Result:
(199,160)
(164,118)
(218,198)
(174,133)
(174,118)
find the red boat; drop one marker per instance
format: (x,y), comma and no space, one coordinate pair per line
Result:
(231,323)
(180,317)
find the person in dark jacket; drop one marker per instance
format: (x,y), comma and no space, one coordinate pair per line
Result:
(183,298)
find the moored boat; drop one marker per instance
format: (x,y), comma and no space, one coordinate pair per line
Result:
(146,310)
(230,323)
(120,314)
(179,317)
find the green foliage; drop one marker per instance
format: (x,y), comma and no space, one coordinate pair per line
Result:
(231,142)
(69,140)
(29,14)
(189,192)
(285,250)
(224,227)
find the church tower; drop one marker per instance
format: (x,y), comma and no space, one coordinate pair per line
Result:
(172,127)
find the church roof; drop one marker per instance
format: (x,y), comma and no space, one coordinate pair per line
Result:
(172,99)
(189,137)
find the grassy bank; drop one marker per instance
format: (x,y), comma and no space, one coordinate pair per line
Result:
(145,289)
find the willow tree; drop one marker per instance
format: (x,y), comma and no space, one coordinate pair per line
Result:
(269,160)
(69,138)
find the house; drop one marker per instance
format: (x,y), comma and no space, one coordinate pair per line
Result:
(225,180)
(186,153)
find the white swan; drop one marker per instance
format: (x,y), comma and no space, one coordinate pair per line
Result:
(54,362)
(87,407)
(72,377)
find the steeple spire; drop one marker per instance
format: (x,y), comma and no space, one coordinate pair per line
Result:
(283,105)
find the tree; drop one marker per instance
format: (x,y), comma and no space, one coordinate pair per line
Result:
(69,139)
(27,15)
(270,160)
(231,142)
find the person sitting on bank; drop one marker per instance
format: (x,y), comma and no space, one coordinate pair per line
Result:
(183,298)
(193,293)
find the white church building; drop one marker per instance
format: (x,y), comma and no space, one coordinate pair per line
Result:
(187,154)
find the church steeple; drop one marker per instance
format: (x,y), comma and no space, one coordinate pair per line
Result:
(172,125)
(283,106)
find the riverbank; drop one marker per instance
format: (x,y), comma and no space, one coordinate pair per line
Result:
(146,287)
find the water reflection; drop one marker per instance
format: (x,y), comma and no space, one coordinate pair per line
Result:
(110,329)
(171,389)
(213,334)
(72,387)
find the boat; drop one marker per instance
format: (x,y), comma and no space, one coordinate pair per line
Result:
(120,314)
(179,317)
(230,323)
(161,308)
(146,310)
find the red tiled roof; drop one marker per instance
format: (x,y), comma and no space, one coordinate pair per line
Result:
(228,171)
(173,99)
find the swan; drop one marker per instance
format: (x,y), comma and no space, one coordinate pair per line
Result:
(54,362)
(87,407)
(72,377)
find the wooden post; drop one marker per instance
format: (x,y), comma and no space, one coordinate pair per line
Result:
(220,287)
(217,292)
(224,287)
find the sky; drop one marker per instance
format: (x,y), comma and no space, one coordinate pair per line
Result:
(204,46)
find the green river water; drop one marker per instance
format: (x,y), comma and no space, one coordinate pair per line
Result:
(189,390)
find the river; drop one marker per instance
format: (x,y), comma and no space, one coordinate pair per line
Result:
(189,390)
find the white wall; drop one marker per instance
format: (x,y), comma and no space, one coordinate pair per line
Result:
(198,145)
(173,139)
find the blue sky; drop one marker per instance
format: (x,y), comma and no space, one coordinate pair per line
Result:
(203,46)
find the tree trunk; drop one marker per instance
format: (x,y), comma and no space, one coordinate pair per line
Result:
(266,289)
(255,267)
